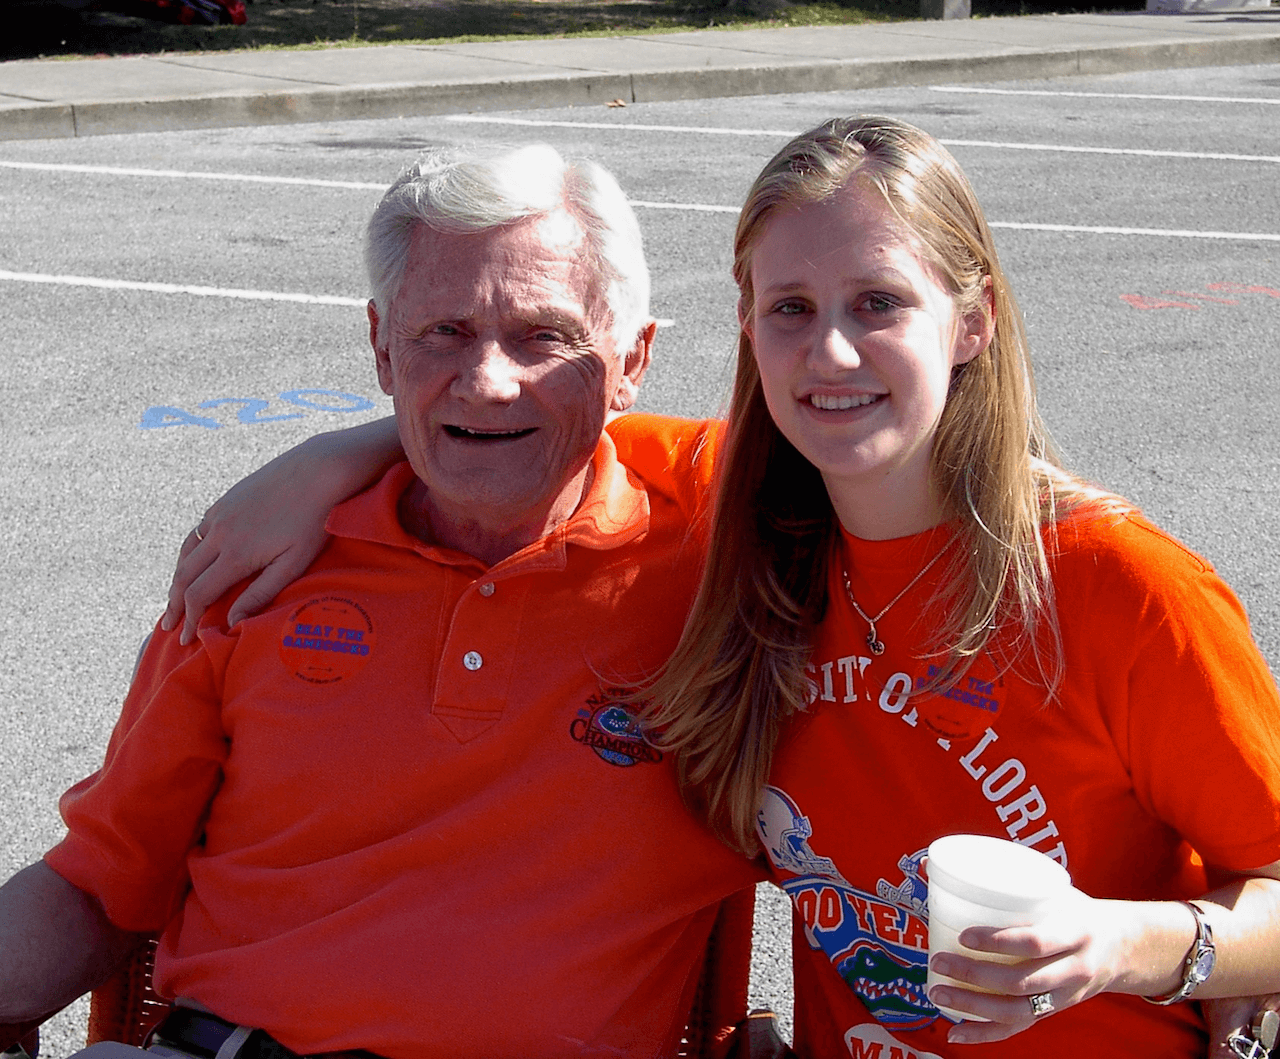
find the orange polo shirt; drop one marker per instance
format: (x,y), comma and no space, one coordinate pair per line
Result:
(398,810)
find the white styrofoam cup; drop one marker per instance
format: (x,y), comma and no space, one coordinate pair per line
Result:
(978,880)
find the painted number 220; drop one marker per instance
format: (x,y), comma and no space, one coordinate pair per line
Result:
(250,410)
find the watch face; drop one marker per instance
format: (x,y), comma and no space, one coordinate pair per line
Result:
(1203,967)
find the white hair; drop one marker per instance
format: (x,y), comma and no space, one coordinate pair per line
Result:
(459,189)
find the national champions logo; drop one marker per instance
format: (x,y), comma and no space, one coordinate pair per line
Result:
(613,732)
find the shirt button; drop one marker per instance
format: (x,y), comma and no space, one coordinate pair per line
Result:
(472,660)
(486,589)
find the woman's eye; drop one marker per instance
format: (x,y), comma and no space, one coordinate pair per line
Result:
(790,308)
(878,303)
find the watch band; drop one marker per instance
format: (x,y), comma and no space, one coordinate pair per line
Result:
(1198,965)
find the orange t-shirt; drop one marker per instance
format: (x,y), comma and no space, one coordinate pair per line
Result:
(1165,739)
(399,810)
(1166,736)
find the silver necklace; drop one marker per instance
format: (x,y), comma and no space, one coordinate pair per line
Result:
(874,643)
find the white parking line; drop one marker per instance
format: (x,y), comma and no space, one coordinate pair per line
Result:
(694,206)
(964,89)
(1131,151)
(1164,233)
(180,288)
(483,119)
(201,292)
(178,174)
(990,144)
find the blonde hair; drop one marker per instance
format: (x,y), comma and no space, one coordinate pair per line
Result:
(738,671)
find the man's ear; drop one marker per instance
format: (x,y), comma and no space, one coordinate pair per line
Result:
(634,365)
(977,327)
(380,352)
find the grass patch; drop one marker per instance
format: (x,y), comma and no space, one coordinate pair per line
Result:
(46,29)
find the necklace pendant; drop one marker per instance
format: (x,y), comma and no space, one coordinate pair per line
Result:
(874,644)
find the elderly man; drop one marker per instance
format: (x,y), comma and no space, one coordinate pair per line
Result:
(402,809)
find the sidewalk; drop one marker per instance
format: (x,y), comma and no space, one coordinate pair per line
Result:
(51,98)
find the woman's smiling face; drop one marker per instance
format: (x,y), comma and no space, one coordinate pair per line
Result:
(856,336)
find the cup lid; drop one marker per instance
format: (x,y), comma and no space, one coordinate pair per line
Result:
(995,872)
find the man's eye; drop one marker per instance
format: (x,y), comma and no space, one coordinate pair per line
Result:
(444,329)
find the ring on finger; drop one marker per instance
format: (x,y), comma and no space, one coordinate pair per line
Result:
(1041,1004)
(199,535)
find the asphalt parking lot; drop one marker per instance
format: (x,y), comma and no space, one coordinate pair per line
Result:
(179,307)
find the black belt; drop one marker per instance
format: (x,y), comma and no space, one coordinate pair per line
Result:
(202,1034)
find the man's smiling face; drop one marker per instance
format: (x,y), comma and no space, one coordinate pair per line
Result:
(498,354)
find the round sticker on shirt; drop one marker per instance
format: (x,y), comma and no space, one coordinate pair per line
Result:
(327,640)
(962,711)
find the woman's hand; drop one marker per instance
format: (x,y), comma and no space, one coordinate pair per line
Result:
(1071,955)
(239,536)
(272,523)
(1139,947)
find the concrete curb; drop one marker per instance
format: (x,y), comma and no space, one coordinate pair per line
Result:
(302,105)
(755,74)
(857,74)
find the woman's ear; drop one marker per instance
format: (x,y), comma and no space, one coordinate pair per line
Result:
(977,327)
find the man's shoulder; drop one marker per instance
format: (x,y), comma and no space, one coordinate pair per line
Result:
(672,457)
(373,515)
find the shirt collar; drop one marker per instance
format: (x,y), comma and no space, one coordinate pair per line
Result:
(614,512)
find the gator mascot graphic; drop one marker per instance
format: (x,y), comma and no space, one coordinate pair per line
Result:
(613,733)
(878,942)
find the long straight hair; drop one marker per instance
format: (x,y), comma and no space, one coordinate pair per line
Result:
(738,671)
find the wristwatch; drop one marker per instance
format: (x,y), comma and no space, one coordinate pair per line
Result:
(1199,962)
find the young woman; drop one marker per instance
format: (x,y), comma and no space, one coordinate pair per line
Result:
(960,637)
(914,623)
